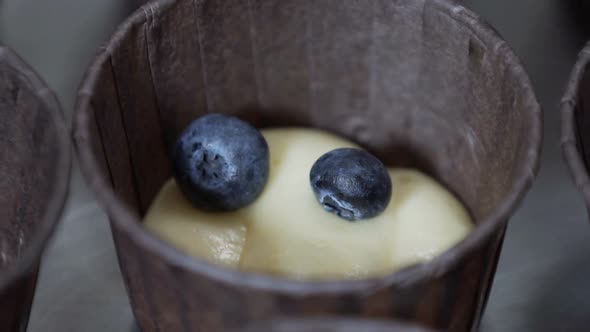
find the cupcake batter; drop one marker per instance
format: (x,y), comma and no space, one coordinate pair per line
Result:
(286,232)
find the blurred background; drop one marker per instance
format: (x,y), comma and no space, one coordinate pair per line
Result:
(542,279)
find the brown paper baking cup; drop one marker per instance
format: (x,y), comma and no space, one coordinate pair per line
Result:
(575,122)
(419,83)
(331,325)
(35,161)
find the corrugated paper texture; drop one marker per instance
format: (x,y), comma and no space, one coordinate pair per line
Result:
(34,169)
(419,83)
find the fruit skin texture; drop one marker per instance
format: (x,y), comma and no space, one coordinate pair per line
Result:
(221,163)
(351,183)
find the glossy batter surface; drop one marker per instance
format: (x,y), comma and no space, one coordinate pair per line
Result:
(286,232)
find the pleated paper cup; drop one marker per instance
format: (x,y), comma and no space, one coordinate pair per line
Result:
(35,154)
(422,83)
(575,120)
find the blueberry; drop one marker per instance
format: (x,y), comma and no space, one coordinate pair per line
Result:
(221,163)
(351,183)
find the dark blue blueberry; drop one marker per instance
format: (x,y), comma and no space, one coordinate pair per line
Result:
(351,183)
(221,163)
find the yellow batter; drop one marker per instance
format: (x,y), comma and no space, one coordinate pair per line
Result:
(286,232)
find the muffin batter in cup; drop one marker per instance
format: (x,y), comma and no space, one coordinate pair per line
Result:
(286,232)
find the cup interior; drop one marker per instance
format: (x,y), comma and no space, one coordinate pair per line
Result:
(415,82)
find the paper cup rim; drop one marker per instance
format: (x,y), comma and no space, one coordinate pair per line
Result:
(569,137)
(128,222)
